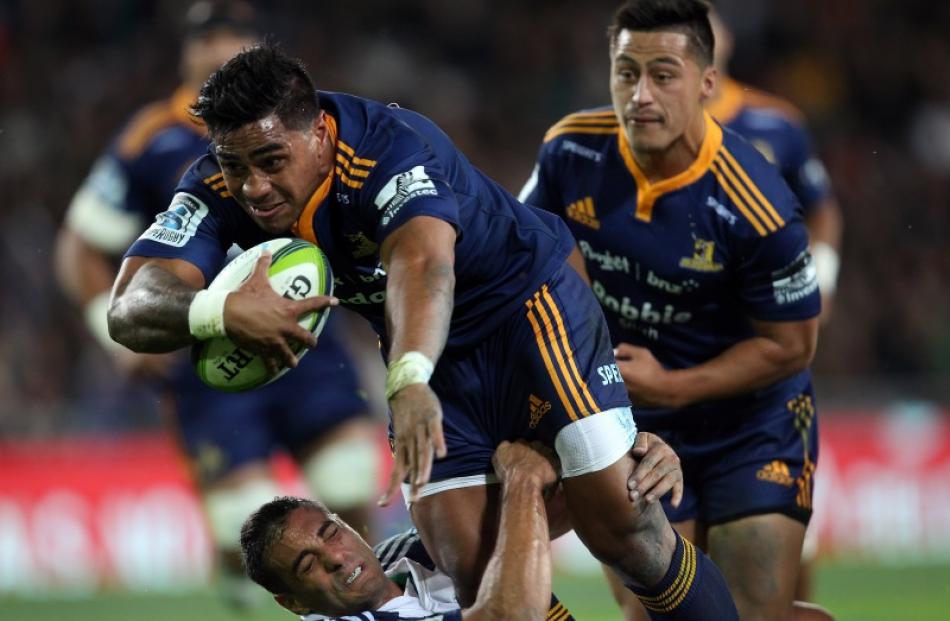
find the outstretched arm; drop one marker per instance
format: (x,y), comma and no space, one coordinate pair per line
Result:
(517,580)
(420,261)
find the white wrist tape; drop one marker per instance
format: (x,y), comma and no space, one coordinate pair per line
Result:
(412,368)
(206,314)
(97,322)
(827,264)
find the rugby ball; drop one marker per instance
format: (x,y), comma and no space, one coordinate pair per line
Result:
(298,270)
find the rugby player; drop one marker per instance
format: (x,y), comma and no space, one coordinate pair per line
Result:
(317,414)
(696,249)
(777,129)
(308,558)
(489,335)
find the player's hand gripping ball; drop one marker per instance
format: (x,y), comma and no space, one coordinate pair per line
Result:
(298,270)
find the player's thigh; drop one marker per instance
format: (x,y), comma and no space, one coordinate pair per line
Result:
(459,527)
(759,556)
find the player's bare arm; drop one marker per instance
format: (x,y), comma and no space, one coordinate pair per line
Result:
(419,258)
(152,297)
(517,580)
(780,349)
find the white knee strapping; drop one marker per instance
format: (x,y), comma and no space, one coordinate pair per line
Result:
(595,442)
(345,474)
(228,508)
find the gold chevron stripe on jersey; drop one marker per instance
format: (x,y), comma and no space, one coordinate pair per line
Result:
(583,211)
(673,596)
(551,337)
(735,198)
(764,202)
(602,122)
(745,194)
(216,182)
(351,169)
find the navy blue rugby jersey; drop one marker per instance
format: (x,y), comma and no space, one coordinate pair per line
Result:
(132,181)
(392,165)
(679,265)
(777,129)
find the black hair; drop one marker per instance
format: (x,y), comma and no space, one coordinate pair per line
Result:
(264,528)
(254,84)
(691,17)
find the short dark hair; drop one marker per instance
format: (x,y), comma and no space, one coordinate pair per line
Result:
(264,528)
(254,84)
(691,17)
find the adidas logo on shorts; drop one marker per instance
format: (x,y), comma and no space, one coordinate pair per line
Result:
(538,408)
(775,472)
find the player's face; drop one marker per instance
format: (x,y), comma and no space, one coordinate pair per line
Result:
(658,88)
(327,567)
(272,171)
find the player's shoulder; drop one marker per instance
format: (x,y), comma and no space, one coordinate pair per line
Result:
(767,109)
(591,127)
(154,121)
(752,188)
(204,177)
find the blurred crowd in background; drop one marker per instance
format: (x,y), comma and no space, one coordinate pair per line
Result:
(872,77)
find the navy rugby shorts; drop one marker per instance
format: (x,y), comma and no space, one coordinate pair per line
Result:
(753,465)
(549,365)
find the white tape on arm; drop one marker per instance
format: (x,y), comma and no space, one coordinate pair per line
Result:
(206,314)
(412,368)
(827,264)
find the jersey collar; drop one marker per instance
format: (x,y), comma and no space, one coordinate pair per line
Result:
(648,193)
(729,103)
(303,227)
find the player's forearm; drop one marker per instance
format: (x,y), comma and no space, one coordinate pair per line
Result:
(746,366)
(517,581)
(419,302)
(150,314)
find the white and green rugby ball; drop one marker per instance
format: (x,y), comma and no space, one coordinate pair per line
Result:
(298,270)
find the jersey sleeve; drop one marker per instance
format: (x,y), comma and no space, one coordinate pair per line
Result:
(540,190)
(198,226)
(777,280)
(804,172)
(407,181)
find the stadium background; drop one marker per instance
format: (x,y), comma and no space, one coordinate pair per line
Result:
(96,517)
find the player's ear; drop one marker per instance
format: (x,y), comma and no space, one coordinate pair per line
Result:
(709,78)
(290,603)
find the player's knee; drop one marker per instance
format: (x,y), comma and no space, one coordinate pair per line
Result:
(344,475)
(227,508)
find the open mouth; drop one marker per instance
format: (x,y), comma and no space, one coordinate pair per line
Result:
(353,576)
(265,211)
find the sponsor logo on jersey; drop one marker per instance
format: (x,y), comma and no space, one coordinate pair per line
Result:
(586,152)
(775,472)
(795,282)
(179,223)
(537,407)
(609,374)
(583,211)
(376,297)
(401,189)
(721,210)
(670,287)
(702,259)
(608,262)
(644,313)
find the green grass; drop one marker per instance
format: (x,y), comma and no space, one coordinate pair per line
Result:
(852,592)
